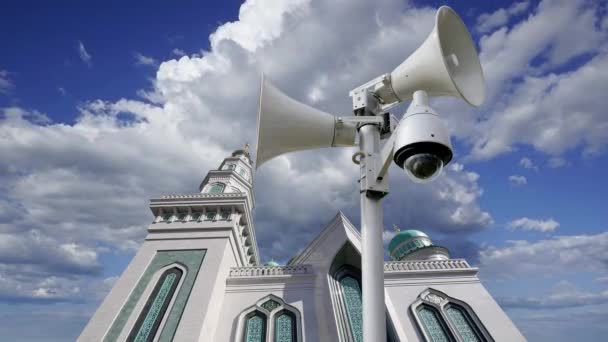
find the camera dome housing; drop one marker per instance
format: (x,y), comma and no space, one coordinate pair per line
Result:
(422,146)
(423,167)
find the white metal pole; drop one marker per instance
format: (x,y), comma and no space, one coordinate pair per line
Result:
(372,254)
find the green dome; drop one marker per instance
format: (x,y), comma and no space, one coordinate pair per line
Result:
(271,263)
(404,236)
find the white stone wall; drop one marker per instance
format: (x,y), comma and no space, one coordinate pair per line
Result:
(199,313)
(298,293)
(402,292)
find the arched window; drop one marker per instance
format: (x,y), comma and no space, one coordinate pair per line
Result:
(154,310)
(345,286)
(255,329)
(243,173)
(443,318)
(216,188)
(284,321)
(433,324)
(228,167)
(351,295)
(285,327)
(463,323)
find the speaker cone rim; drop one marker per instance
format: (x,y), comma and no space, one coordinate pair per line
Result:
(440,21)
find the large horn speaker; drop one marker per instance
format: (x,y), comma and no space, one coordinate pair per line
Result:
(445,64)
(286,125)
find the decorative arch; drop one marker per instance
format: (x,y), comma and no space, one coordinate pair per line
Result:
(279,321)
(345,287)
(443,318)
(255,326)
(152,316)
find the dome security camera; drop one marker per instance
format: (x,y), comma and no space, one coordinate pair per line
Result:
(422,146)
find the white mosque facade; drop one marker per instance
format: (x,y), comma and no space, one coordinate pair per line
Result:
(198,277)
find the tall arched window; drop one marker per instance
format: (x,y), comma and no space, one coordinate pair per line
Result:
(271,317)
(285,327)
(255,329)
(154,310)
(443,318)
(463,323)
(216,188)
(433,324)
(345,286)
(351,294)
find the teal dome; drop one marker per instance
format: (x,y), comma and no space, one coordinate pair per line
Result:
(271,263)
(403,236)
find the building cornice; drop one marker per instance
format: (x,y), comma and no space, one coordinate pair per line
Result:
(396,269)
(269,271)
(269,274)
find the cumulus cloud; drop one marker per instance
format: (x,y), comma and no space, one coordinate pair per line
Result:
(543,226)
(84,54)
(530,98)
(560,255)
(527,163)
(6,84)
(86,184)
(178,52)
(518,180)
(83,187)
(489,21)
(144,60)
(563,295)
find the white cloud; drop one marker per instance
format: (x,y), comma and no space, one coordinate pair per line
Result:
(530,98)
(543,226)
(555,162)
(527,163)
(86,184)
(120,164)
(144,60)
(62,91)
(178,52)
(518,180)
(84,54)
(99,171)
(557,256)
(489,21)
(6,84)
(563,295)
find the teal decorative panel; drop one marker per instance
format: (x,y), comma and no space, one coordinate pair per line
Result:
(149,320)
(432,325)
(463,325)
(284,328)
(256,326)
(191,260)
(270,305)
(354,306)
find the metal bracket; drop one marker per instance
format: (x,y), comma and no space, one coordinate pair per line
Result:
(370,182)
(362,119)
(374,167)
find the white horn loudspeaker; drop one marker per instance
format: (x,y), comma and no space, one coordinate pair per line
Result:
(445,64)
(286,125)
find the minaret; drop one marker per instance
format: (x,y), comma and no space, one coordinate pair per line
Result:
(174,284)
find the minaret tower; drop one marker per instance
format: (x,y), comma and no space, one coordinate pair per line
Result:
(174,284)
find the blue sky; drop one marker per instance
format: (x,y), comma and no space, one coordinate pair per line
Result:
(105,105)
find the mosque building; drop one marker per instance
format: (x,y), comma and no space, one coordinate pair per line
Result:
(198,277)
